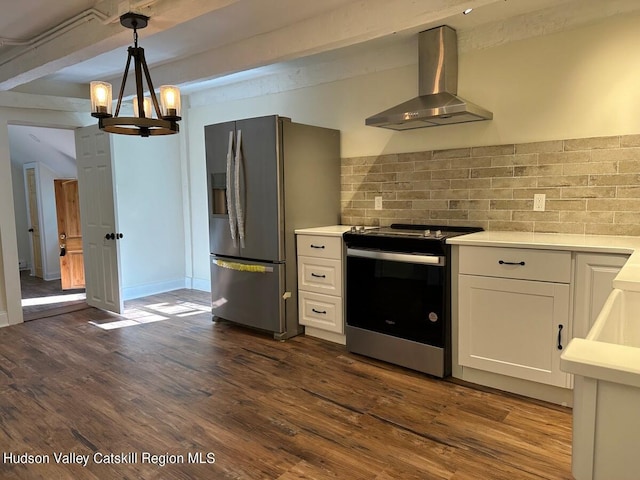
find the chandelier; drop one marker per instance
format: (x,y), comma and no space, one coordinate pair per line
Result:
(167,112)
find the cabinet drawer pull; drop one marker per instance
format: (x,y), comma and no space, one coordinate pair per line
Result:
(318,275)
(322,312)
(317,246)
(560,327)
(502,262)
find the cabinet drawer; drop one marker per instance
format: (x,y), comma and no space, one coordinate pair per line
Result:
(321,275)
(321,311)
(519,263)
(320,246)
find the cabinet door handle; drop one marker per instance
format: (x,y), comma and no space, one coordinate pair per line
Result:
(318,275)
(317,246)
(322,312)
(560,327)
(502,262)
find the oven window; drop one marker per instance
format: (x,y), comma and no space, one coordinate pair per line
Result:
(396,298)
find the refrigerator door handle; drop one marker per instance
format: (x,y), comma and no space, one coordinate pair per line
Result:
(229,191)
(239,211)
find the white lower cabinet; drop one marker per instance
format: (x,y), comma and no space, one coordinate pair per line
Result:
(514,327)
(320,283)
(514,312)
(593,284)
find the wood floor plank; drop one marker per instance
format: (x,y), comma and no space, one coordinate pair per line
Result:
(300,409)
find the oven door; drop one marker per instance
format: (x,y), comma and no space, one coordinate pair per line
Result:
(397,294)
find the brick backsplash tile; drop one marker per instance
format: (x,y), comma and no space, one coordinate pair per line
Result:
(591,143)
(504,215)
(457,173)
(537,171)
(491,193)
(529,215)
(511,226)
(592,186)
(586,217)
(564,181)
(558,227)
(514,182)
(493,150)
(415,156)
(564,157)
(491,172)
(512,160)
(622,179)
(617,155)
(451,194)
(612,229)
(471,162)
(629,166)
(452,153)
(628,192)
(470,183)
(540,147)
(630,141)
(589,168)
(432,165)
(562,204)
(614,205)
(397,167)
(589,192)
(627,217)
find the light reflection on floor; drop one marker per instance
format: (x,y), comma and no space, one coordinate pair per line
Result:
(73,297)
(154,312)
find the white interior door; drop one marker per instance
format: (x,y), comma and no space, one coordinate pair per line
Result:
(98,217)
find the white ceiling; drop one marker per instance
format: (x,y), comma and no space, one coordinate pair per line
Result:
(58,47)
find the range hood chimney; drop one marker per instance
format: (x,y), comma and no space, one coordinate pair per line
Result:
(437,103)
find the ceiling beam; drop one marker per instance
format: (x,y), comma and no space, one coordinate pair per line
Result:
(90,36)
(355,23)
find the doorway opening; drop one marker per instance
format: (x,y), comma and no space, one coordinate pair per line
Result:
(40,159)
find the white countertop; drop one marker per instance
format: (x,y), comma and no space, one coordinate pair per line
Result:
(330,230)
(551,241)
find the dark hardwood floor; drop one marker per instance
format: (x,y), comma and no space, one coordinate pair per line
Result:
(300,409)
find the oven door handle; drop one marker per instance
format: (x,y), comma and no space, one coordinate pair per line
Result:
(435,260)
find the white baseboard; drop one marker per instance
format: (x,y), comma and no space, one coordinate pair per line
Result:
(4,319)
(200,284)
(138,291)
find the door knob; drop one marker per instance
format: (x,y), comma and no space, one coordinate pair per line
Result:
(31,230)
(110,236)
(119,235)
(62,236)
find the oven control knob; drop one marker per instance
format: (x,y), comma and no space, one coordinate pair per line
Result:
(438,233)
(360,228)
(353,229)
(426,233)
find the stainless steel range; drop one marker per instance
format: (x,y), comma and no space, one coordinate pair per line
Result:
(398,295)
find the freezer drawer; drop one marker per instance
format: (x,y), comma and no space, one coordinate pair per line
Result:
(248,293)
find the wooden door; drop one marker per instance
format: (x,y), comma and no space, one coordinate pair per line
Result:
(69,233)
(98,216)
(34,229)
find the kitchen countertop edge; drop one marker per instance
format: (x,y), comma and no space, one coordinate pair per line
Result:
(330,230)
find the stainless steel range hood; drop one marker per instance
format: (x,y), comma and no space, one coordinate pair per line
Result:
(437,103)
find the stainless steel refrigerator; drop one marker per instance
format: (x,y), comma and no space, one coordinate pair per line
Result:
(266,177)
